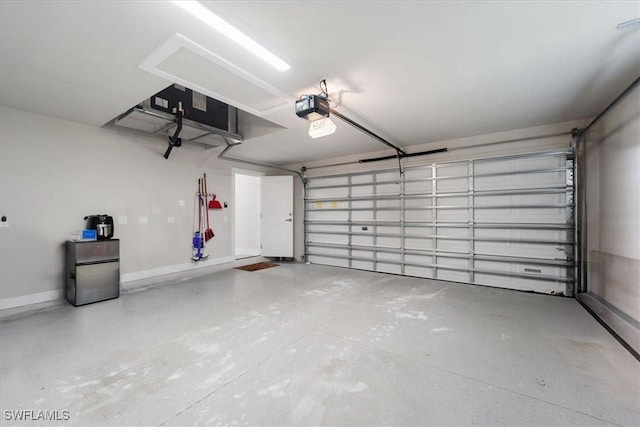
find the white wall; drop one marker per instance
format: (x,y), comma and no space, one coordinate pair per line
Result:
(612,205)
(54,172)
(247,214)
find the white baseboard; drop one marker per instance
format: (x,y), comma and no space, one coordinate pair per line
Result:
(177,268)
(7,303)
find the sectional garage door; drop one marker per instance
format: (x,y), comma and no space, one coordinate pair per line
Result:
(502,221)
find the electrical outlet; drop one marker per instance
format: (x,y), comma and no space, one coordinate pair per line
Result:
(122,220)
(143,219)
(171,220)
(181,203)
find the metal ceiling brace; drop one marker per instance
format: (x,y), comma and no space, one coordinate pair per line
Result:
(400,153)
(175,141)
(230,145)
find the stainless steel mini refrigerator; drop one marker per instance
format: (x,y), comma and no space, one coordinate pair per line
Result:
(93,271)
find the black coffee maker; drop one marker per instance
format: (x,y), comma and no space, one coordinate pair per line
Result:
(103,224)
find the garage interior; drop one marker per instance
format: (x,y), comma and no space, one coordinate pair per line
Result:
(460,247)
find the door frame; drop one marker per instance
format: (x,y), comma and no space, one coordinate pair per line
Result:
(234,172)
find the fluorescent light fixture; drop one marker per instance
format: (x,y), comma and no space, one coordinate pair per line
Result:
(214,21)
(321,127)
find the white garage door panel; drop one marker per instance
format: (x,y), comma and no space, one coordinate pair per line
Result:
(329,228)
(445,261)
(452,232)
(419,203)
(385,176)
(363,215)
(389,242)
(387,189)
(327,192)
(388,268)
(418,244)
(540,251)
(525,234)
(418,231)
(419,272)
(314,259)
(452,185)
(425,215)
(543,270)
(457,246)
(362,265)
(362,204)
(418,187)
(382,256)
(328,216)
(452,215)
(420,172)
(329,238)
(362,240)
(364,179)
(389,229)
(503,221)
(452,275)
(362,190)
(520,283)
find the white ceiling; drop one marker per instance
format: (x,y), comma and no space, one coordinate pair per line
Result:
(414,72)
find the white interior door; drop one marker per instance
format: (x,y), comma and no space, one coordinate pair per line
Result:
(277,216)
(247,215)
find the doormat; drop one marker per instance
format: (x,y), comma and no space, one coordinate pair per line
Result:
(258,266)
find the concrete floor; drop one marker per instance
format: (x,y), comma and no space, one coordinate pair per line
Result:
(304,344)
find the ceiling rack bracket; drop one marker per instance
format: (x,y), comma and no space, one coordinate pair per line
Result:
(175,140)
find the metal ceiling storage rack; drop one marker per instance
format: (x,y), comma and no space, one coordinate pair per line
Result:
(504,221)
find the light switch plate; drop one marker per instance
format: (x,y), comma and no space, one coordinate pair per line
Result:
(171,219)
(181,203)
(143,219)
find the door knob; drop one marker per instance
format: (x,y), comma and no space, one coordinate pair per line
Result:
(288,219)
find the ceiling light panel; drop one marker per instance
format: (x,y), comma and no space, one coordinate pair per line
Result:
(180,60)
(223,27)
(322,127)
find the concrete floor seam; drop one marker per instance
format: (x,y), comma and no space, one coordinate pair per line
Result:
(361,344)
(373,347)
(208,395)
(251,368)
(524,395)
(472,379)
